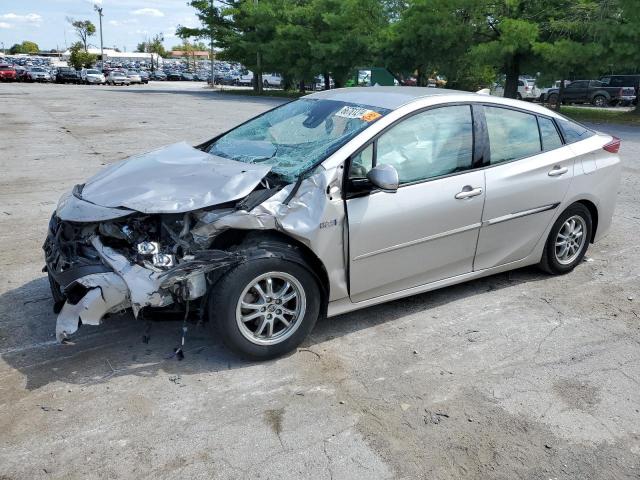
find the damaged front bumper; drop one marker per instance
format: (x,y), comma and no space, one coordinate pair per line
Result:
(94,280)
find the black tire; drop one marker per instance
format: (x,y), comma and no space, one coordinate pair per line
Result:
(518,96)
(552,99)
(599,101)
(226,294)
(56,292)
(549,262)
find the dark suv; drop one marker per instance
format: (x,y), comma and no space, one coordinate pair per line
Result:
(67,75)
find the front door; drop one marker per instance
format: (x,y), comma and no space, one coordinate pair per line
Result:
(428,229)
(576,91)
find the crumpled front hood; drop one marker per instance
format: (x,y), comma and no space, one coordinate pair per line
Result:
(173,179)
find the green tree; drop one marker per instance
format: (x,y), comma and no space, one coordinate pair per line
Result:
(24,47)
(30,47)
(243,29)
(79,57)
(298,38)
(154,46)
(344,34)
(435,36)
(623,41)
(84,29)
(587,40)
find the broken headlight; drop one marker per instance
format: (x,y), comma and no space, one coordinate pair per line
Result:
(163,260)
(148,248)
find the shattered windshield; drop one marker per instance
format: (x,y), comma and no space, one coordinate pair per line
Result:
(297,135)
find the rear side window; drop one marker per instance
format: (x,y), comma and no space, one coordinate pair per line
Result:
(512,134)
(549,134)
(573,132)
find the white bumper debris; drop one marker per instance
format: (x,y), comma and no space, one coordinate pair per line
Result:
(107,293)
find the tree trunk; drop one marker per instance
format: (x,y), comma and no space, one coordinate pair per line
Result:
(302,87)
(513,74)
(560,95)
(421,80)
(327,82)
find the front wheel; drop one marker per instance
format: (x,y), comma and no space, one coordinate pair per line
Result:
(552,99)
(265,307)
(568,240)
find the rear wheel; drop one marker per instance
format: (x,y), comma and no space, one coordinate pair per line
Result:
(599,101)
(568,240)
(265,307)
(518,96)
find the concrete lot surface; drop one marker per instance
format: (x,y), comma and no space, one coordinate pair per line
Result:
(520,375)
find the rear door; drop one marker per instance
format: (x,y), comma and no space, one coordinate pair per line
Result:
(528,176)
(428,229)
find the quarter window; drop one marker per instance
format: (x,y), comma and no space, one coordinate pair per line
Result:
(512,134)
(429,144)
(573,132)
(549,134)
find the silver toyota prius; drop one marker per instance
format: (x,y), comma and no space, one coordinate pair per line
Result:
(337,201)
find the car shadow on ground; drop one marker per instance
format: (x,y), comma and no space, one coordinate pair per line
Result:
(119,348)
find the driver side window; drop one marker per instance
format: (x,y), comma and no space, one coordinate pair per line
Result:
(429,144)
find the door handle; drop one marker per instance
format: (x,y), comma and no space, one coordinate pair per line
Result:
(468,192)
(557,171)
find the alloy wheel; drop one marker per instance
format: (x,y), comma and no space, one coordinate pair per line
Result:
(271,308)
(570,239)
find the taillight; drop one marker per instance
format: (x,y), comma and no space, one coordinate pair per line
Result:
(613,146)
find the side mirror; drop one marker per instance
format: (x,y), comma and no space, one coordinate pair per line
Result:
(384,177)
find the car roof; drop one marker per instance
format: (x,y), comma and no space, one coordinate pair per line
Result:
(392,98)
(382,97)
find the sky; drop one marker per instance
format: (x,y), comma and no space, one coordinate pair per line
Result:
(125,23)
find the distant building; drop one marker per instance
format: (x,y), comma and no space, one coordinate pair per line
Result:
(112,55)
(199,54)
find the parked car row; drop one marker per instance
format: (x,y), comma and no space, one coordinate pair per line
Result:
(87,76)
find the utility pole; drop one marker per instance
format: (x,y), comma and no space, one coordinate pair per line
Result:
(99,10)
(211,54)
(258,75)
